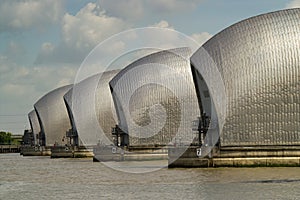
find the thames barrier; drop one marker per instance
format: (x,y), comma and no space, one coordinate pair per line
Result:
(234,102)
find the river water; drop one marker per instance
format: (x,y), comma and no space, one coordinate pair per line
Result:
(45,178)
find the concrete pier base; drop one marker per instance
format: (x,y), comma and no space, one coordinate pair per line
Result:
(35,151)
(276,156)
(237,162)
(111,153)
(10,149)
(71,152)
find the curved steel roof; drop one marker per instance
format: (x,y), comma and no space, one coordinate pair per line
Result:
(155,98)
(259,61)
(34,124)
(91,110)
(52,115)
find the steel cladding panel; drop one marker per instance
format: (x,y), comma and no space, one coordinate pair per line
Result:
(53,116)
(34,124)
(259,60)
(158,82)
(106,112)
(92,109)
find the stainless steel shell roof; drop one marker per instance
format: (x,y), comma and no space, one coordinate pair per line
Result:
(53,116)
(155,98)
(34,124)
(259,61)
(92,111)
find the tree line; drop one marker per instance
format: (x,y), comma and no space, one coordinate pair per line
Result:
(5,138)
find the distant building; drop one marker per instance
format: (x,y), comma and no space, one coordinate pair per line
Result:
(27,139)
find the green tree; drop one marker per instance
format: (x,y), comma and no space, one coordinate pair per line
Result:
(5,137)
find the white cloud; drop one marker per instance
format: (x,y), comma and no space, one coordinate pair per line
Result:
(47,47)
(293,4)
(18,15)
(168,6)
(14,49)
(92,24)
(56,76)
(3,65)
(162,24)
(136,9)
(129,9)
(89,27)
(14,90)
(201,38)
(47,54)
(80,34)
(22,86)
(23,82)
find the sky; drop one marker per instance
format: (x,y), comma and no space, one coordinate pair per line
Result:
(43,43)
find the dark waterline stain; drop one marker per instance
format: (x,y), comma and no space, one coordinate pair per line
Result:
(274,181)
